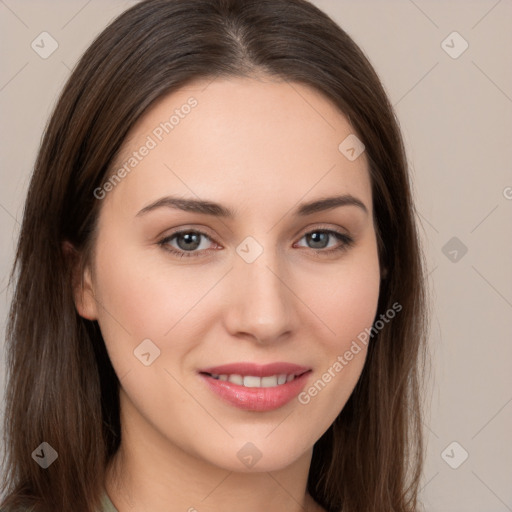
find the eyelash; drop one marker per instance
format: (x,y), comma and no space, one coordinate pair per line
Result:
(346,240)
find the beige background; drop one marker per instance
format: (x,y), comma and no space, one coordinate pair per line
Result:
(456,119)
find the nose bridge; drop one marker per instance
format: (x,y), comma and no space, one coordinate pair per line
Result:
(263,305)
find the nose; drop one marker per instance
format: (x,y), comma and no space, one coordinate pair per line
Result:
(262,305)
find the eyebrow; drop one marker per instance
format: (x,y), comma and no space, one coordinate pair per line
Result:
(218,210)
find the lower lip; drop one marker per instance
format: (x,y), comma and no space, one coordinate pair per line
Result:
(256,399)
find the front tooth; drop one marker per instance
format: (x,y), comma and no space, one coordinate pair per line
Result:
(236,379)
(268,382)
(223,377)
(252,382)
(290,378)
(281,379)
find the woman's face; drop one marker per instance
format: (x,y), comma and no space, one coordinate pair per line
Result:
(270,283)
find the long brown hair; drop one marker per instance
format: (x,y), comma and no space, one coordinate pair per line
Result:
(61,386)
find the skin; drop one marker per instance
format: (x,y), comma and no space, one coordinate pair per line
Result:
(260,147)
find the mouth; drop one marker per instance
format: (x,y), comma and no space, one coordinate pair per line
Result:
(253,381)
(254,387)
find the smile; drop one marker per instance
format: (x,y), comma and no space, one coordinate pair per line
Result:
(251,381)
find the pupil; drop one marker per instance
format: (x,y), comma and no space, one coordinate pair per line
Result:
(192,238)
(318,237)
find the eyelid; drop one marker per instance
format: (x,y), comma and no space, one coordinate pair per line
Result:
(324,227)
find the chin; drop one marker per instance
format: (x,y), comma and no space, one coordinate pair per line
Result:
(258,455)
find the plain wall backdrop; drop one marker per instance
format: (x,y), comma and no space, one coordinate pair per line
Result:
(446,66)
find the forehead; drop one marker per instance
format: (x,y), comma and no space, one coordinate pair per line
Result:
(240,140)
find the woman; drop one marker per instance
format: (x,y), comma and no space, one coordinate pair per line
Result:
(274,363)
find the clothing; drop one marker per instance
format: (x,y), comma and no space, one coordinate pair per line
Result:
(106,504)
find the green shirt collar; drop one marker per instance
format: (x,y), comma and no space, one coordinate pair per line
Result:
(106,504)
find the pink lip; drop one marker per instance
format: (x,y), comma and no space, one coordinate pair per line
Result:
(257,370)
(256,399)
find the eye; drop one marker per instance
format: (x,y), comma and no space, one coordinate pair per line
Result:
(187,241)
(319,240)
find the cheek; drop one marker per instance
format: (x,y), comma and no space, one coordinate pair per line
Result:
(347,303)
(357,299)
(135,301)
(143,295)
(347,307)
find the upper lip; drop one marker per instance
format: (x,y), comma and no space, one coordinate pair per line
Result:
(256,370)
